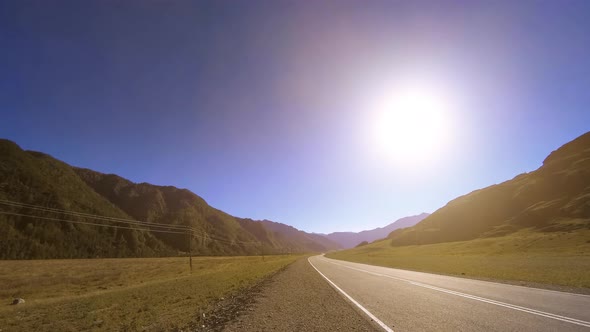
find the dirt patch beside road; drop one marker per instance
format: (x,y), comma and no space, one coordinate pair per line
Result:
(298,299)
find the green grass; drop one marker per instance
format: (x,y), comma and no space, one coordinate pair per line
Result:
(151,294)
(552,258)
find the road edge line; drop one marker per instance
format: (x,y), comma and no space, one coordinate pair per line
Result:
(468,278)
(363,309)
(477,298)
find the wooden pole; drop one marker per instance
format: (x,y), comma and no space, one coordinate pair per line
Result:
(190,254)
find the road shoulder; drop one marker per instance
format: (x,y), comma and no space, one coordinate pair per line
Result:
(298,299)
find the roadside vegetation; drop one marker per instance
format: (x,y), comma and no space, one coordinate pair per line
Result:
(552,258)
(131,294)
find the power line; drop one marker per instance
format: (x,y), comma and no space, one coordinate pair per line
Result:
(88,223)
(112,226)
(94,216)
(176,228)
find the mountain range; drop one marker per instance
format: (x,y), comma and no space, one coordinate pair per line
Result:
(49,209)
(351,239)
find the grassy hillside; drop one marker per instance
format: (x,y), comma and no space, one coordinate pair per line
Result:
(554,198)
(556,258)
(533,228)
(38,179)
(132,294)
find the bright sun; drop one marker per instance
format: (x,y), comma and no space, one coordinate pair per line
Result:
(412,123)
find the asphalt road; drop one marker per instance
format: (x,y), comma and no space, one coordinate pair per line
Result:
(413,301)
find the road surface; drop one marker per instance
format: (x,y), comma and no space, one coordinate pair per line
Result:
(400,300)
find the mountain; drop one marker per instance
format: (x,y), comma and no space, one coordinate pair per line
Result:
(36,178)
(45,183)
(294,238)
(352,239)
(555,197)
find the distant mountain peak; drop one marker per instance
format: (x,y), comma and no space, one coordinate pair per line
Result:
(352,239)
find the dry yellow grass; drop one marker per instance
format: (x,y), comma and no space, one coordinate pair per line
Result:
(150,294)
(556,258)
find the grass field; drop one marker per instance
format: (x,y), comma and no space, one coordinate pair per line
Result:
(556,258)
(144,294)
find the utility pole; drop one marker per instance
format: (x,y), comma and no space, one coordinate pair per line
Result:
(190,254)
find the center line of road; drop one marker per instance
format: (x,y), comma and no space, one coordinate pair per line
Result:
(477,298)
(363,309)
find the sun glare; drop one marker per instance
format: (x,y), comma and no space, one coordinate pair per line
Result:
(412,123)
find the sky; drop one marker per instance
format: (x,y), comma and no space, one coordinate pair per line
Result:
(267,109)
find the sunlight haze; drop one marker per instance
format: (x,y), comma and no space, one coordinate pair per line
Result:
(325,116)
(280,165)
(413,125)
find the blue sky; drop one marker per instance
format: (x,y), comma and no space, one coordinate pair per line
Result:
(261,107)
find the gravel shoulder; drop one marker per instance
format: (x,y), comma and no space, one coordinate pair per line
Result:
(297,299)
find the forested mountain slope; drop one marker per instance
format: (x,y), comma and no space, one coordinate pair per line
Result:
(43,182)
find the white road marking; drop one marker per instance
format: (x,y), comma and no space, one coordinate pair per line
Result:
(363,309)
(477,298)
(507,305)
(488,282)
